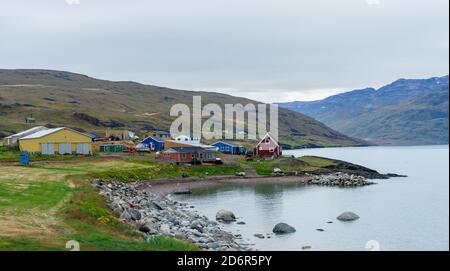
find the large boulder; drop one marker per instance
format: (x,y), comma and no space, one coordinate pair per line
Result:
(225,216)
(277,170)
(135,214)
(282,228)
(348,216)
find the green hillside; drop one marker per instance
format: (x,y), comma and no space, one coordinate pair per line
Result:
(74,100)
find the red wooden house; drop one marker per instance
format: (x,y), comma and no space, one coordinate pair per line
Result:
(267,147)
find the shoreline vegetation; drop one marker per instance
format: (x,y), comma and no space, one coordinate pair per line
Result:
(50,202)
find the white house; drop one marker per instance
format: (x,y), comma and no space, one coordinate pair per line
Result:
(13,140)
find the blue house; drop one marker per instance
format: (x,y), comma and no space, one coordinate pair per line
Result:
(153,143)
(228,147)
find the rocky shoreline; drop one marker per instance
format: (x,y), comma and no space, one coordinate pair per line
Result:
(339,179)
(155,214)
(151,210)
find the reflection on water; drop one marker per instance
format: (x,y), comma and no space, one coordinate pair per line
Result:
(401,214)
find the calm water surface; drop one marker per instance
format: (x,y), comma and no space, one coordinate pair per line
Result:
(400,214)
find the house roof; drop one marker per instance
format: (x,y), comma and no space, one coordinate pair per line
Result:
(271,137)
(154,138)
(191,143)
(93,135)
(29,131)
(50,131)
(227,143)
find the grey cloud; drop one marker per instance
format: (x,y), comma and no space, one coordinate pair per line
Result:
(264,49)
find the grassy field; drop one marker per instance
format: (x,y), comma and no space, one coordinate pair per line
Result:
(46,204)
(7,153)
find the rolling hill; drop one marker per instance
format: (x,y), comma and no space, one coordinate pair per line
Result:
(74,100)
(406,112)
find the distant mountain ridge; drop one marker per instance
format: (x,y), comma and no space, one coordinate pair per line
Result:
(405,112)
(67,99)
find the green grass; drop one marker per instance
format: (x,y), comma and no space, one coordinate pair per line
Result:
(27,244)
(24,195)
(8,153)
(148,170)
(12,154)
(309,164)
(49,203)
(98,229)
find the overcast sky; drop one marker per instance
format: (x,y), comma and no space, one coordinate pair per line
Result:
(268,50)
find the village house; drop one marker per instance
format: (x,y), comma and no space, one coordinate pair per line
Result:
(268,147)
(229,147)
(151,144)
(186,141)
(187,155)
(157,134)
(13,140)
(119,134)
(57,141)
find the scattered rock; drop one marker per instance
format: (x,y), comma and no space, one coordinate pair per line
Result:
(306,247)
(241,223)
(329,222)
(240,174)
(282,228)
(320,230)
(259,235)
(348,216)
(135,214)
(213,245)
(157,206)
(277,170)
(125,215)
(144,229)
(340,179)
(153,214)
(225,216)
(182,191)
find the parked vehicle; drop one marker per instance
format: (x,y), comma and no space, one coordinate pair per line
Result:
(249,155)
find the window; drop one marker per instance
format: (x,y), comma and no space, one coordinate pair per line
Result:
(227,148)
(221,148)
(271,150)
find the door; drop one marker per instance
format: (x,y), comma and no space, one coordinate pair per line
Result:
(48,148)
(44,148)
(51,149)
(65,148)
(82,148)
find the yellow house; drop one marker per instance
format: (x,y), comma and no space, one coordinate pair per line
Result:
(57,141)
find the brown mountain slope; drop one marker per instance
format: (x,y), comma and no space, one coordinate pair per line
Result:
(63,98)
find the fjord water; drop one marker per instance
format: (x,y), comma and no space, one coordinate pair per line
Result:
(399,214)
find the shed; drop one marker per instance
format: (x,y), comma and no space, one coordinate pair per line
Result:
(229,147)
(61,140)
